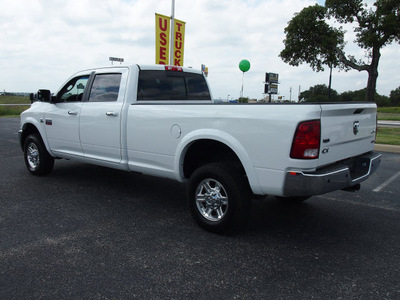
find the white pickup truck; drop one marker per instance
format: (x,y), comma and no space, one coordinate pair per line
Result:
(161,121)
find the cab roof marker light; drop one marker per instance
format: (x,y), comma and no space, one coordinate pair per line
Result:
(173,68)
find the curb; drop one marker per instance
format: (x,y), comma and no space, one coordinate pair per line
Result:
(387,148)
(389,123)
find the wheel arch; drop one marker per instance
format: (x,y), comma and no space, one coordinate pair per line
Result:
(31,128)
(209,147)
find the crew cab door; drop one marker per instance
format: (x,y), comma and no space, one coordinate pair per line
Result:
(101,115)
(62,117)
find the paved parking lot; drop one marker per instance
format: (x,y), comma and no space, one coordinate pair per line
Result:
(87,232)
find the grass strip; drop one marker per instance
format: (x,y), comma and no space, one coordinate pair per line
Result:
(388,135)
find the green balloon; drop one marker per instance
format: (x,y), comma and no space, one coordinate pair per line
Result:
(244,65)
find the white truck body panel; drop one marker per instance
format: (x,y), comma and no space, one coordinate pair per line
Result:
(243,128)
(65,136)
(153,137)
(338,125)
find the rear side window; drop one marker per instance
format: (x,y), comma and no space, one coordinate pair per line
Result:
(171,85)
(105,88)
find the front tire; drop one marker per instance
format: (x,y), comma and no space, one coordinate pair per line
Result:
(219,197)
(37,160)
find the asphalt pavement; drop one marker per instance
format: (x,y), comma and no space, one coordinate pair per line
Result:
(86,232)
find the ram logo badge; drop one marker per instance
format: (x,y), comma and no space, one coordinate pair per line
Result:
(356,126)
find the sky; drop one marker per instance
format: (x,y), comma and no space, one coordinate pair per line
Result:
(44,42)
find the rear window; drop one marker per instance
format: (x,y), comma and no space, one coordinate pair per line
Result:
(171,85)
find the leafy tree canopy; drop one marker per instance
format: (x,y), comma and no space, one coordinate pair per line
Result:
(243,100)
(310,39)
(319,93)
(395,97)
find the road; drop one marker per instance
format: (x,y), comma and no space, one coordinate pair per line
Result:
(87,232)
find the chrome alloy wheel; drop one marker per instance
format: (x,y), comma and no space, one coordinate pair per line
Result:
(32,156)
(211,199)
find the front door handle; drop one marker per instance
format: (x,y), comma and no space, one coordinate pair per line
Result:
(111,114)
(72,112)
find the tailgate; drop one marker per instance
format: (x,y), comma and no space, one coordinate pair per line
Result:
(347,130)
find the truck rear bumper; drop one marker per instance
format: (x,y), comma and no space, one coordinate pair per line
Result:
(345,174)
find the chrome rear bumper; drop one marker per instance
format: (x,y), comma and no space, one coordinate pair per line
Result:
(345,174)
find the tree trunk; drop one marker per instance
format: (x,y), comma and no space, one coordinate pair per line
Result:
(330,83)
(373,75)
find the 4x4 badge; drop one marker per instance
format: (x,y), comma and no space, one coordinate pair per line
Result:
(356,126)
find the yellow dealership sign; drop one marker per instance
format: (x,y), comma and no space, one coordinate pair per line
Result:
(179,42)
(163,29)
(162,39)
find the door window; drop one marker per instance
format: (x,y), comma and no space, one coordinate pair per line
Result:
(73,90)
(105,88)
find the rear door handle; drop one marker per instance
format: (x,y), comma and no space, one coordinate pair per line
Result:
(111,114)
(72,112)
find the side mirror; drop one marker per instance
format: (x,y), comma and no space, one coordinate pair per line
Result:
(32,97)
(44,95)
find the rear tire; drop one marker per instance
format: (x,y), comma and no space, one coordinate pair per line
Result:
(219,197)
(37,160)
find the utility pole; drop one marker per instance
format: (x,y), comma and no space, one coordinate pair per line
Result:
(330,83)
(290,99)
(299,94)
(241,91)
(171,49)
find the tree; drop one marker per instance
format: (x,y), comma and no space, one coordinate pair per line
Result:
(359,96)
(395,97)
(243,100)
(310,39)
(355,96)
(318,93)
(382,100)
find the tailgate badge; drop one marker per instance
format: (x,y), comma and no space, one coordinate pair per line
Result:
(356,126)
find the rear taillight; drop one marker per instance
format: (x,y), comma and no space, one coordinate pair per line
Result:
(306,141)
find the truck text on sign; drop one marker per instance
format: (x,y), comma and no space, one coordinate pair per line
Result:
(179,42)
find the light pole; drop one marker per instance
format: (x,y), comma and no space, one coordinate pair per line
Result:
(330,83)
(171,48)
